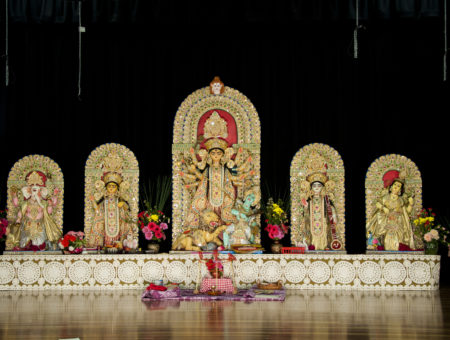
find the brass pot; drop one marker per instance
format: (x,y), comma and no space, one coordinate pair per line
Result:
(276,247)
(153,247)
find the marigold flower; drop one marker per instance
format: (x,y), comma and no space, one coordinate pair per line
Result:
(278,211)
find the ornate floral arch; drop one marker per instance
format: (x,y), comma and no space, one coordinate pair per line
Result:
(185,136)
(299,172)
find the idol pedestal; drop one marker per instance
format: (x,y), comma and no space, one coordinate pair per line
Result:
(296,271)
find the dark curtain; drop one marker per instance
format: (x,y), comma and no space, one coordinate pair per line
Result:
(300,75)
(171,11)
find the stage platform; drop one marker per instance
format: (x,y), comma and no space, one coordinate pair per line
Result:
(301,271)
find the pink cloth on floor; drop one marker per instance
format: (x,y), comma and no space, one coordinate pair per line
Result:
(223,285)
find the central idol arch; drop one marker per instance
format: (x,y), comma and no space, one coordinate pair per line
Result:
(216,117)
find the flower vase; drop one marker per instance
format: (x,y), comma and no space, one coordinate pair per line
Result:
(276,247)
(431,248)
(153,247)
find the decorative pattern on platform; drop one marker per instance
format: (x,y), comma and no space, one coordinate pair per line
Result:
(367,272)
(319,159)
(231,116)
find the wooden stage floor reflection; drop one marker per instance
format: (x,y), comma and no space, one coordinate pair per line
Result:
(308,314)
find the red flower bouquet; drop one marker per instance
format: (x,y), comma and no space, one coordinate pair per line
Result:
(3,225)
(73,242)
(153,223)
(276,219)
(276,232)
(215,268)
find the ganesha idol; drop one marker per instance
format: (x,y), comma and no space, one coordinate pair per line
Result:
(34,212)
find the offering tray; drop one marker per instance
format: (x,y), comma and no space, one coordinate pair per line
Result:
(269,286)
(246,248)
(214,292)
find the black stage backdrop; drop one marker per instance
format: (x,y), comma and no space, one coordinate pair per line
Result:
(294,61)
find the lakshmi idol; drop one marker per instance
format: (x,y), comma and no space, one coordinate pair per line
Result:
(111,197)
(111,214)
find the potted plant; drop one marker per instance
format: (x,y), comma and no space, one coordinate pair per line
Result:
(152,221)
(72,243)
(430,232)
(276,219)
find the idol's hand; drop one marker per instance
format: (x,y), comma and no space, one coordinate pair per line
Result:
(304,203)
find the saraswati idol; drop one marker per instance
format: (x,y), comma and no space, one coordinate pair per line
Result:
(317,190)
(111,196)
(216,157)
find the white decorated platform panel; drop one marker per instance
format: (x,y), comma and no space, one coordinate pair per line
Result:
(305,271)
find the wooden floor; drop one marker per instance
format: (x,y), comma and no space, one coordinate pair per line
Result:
(312,314)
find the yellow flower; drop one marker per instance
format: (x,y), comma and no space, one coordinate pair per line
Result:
(154,218)
(416,222)
(278,210)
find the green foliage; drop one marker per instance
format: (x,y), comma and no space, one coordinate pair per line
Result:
(278,194)
(155,195)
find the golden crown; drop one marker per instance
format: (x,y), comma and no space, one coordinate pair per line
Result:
(216,143)
(35,179)
(112,162)
(112,177)
(317,177)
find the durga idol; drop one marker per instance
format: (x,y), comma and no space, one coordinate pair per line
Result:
(213,181)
